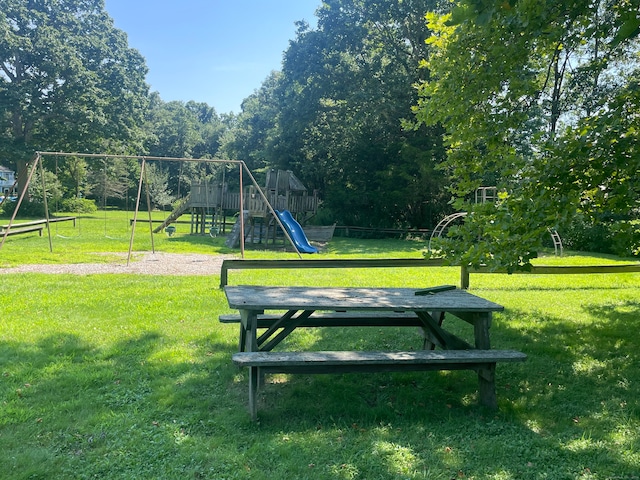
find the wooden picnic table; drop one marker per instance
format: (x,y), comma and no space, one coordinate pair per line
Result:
(301,304)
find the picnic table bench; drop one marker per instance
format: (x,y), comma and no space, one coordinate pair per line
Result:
(272,322)
(41,222)
(260,363)
(31,226)
(18,230)
(312,306)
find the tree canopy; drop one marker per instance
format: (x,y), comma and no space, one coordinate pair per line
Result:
(541,99)
(334,115)
(68,80)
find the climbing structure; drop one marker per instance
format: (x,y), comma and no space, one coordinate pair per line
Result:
(483,195)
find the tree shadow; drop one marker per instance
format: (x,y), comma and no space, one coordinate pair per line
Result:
(578,390)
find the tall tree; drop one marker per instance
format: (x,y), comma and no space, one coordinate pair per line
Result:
(538,99)
(68,80)
(339,102)
(251,132)
(182,130)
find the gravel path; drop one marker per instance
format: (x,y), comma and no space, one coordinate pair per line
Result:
(145,263)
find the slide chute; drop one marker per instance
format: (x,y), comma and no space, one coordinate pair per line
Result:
(295,232)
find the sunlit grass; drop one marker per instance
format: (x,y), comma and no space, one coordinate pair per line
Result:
(125,376)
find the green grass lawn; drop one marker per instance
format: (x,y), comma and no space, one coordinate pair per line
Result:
(130,376)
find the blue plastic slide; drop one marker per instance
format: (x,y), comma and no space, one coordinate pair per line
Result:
(295,232)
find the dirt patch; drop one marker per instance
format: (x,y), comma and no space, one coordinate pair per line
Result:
(143,263)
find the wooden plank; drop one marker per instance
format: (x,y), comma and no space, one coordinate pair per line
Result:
(439,336)
(565,269)
(337,358)
(354,299)
(235,264)
(339,319)
(40,222)
(18,231)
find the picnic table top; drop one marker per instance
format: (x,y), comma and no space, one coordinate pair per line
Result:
(343,298)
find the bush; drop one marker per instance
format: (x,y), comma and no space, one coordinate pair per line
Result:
(78,205)
(27,208)
(617,237)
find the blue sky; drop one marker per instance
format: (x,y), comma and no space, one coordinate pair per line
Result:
(213,51)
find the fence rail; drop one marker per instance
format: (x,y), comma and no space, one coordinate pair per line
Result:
(232,264)
(552,270)
(326,263)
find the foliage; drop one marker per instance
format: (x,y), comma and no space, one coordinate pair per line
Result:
(74,175)
(618,237)
(157,181)
(28,208)
(183,130)
(541,100)
(111,179)
(334,115)
(78,205)
(68,80)
(33,203)
(252,130)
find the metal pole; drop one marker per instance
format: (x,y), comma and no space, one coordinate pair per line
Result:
(264,197)
(135,214)
(46,205)
(22,194)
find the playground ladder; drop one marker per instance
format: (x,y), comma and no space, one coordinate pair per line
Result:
(557,241)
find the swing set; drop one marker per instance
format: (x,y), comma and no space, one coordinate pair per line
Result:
(242,168)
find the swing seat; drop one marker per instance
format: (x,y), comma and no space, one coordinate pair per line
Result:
(170,230)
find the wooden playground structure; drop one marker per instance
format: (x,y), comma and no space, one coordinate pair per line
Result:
(210,203)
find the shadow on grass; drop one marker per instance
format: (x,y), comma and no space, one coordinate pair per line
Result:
(70,407)
(570,411)
(136,409)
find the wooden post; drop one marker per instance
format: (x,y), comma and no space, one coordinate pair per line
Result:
(487,374)
(254,376)
(224,275)
(464,277)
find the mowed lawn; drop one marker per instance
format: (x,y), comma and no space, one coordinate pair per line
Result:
(130,376)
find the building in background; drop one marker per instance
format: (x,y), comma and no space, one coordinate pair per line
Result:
(7,182)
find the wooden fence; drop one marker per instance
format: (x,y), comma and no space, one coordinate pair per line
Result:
(552,270)
(326,263)
(413,263)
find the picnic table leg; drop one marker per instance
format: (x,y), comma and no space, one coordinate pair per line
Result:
(248,330)
(254,375)
(249,343)
(243,337)
(429,343)
(486,375)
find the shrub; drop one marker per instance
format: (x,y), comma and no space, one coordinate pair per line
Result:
(618,237)
(27,208)
(78,205)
